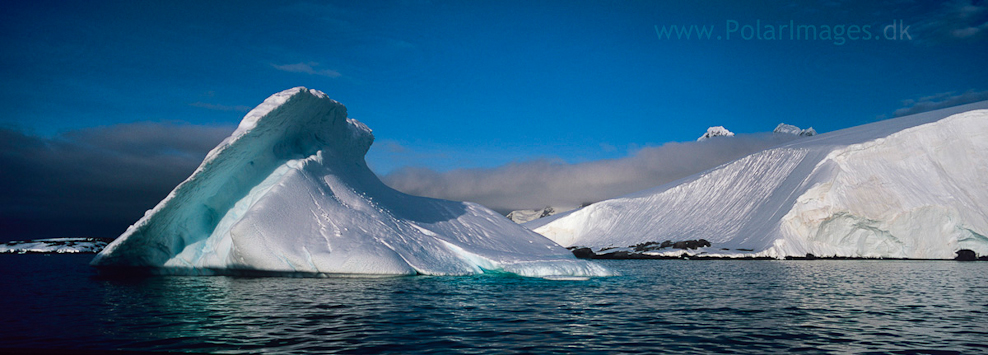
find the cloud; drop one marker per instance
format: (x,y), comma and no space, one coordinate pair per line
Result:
(217,107)
(94,181)
(307,68)
(955,20)
(539,183)
(938,101)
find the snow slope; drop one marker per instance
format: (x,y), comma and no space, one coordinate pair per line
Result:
(910,187)
(290,191)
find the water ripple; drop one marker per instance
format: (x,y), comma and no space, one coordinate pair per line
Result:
(655,306)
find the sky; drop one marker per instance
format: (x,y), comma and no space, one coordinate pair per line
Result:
(110,104)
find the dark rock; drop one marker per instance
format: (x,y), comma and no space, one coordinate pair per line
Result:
(646,246)
(966,255)
(691,244)
(584,253)
(620,254)
(547,211)
(810,256)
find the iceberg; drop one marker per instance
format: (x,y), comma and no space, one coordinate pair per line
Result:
(289,192)
(910,187)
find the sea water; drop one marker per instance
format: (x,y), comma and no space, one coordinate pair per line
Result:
(655,306)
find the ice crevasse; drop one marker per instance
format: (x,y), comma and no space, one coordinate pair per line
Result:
(289,191)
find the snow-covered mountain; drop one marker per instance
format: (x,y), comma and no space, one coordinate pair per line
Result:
(910,187)
(716,131)
(290,191)
(790,129)
(522,216)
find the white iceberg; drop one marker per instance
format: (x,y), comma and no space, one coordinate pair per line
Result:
(716,131)
(290,191)
(910,187)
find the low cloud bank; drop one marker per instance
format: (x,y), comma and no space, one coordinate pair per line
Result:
(535,184)
(95,181)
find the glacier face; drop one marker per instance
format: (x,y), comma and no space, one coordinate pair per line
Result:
(290,191)
(911,187)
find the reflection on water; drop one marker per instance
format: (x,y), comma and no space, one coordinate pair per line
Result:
(656,305)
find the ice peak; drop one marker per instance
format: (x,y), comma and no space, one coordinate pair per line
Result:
(715,131)
(790,129)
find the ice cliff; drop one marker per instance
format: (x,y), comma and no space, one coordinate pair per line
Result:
(910,187)
(289,191)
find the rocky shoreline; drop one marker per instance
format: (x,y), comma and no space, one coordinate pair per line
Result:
(640,252)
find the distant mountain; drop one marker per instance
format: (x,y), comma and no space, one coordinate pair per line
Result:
(522,216)
(716,131)
(910,187)
(790,129)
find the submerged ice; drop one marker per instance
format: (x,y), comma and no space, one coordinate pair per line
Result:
(911,187)
(290,191)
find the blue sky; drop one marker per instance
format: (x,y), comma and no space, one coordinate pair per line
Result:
(481,83)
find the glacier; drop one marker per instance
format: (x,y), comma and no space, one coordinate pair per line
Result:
(909,187)
(289,192)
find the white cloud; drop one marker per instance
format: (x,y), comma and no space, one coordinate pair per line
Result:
(307,68)
(938,101)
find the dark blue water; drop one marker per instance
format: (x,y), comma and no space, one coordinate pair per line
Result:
(57,302)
